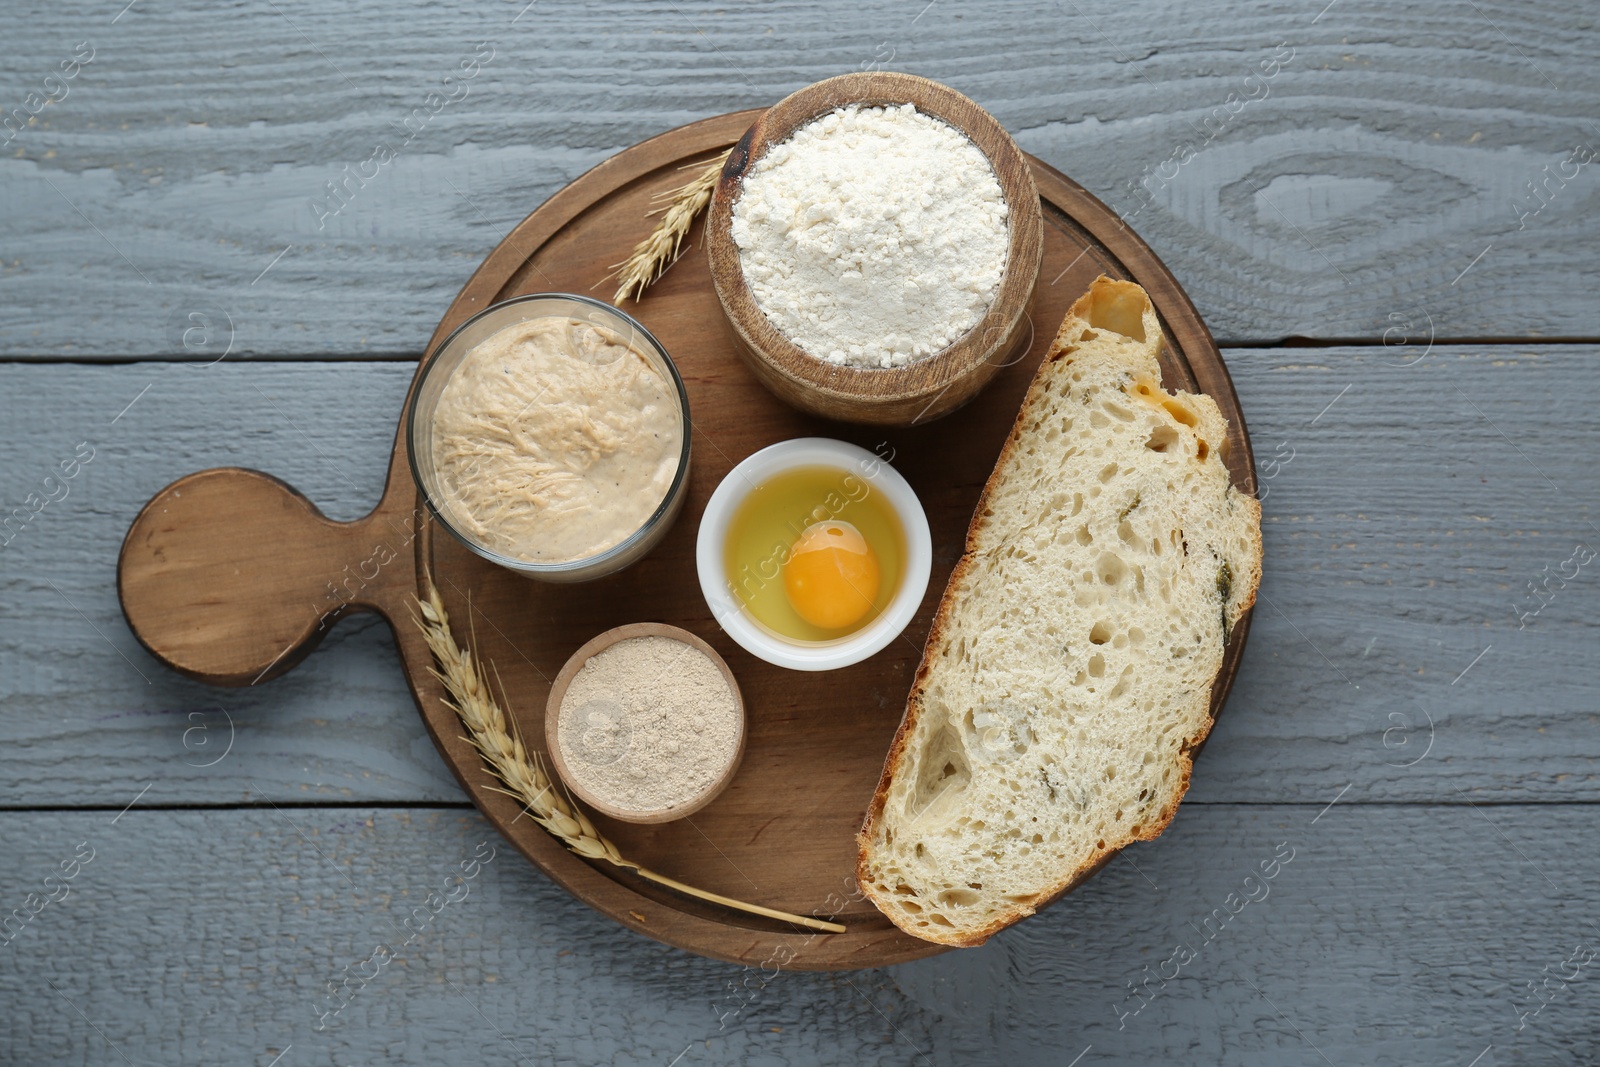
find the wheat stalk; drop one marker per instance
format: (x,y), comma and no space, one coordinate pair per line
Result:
(495,736)
(652,256)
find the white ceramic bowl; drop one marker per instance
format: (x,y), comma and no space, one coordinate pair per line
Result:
(730,613)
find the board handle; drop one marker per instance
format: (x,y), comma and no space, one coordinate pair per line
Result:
(231,576)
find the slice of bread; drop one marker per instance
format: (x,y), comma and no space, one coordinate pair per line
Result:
(1067,678)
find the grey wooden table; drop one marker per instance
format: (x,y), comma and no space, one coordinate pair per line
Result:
(1393,237)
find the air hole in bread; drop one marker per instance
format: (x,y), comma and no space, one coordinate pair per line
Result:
(1161,439)
(1110,568)
(1181,412)
(1108,472)
(1097,666)
(1084,536)
(1120,311)
(1202,450)
(944,771)
(1099,634)
(1117,411)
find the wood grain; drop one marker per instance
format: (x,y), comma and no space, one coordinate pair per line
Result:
(1396,144)
(297,738)
(225,574)
(832,721)
(1387,154)
(1394,936)
(1396,547)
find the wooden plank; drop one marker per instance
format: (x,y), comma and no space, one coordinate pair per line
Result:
(1405,518)
(1397,645)
(1386,939)
(76,680)
(1392,935)
(186,169)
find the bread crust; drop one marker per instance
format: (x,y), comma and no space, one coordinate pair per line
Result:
(1076,317)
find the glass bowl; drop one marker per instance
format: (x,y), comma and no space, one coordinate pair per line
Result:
(447,358)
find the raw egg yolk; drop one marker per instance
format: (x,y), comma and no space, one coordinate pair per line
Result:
(832,575)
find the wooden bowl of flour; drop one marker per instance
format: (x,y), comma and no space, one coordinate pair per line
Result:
(926,387)
(635,749)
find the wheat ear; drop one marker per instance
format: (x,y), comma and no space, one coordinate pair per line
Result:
(652,256)
(495,736)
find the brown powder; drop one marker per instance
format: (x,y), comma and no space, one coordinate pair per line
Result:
(647,724)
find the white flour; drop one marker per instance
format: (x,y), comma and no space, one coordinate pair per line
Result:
(872,237)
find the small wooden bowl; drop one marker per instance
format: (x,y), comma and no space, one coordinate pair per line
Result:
(927,388)
(558,692)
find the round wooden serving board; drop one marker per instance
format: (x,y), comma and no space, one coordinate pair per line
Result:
(232,577)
